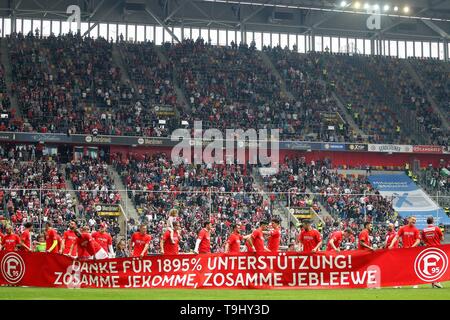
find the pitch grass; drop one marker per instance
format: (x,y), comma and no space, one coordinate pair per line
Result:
(424,292)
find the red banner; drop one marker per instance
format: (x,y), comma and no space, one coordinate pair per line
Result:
(350,269)
(427,149)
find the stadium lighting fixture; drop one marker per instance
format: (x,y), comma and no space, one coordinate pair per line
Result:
(376,6)
(343,3)
(406,9)
(366,6)
(386,7)
(395,8)
(357,5)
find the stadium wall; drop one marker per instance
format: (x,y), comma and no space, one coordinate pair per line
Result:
(344,159)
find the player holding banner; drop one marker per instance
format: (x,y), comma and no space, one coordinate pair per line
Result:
(432,236)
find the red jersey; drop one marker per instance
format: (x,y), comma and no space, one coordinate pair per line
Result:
(10,241)
(390,236)
(87,246)
(169,247)
(258,240)
(70,238)
(364,237)
(337,239)
(139,242)
(1,237)
(103,239)
(309,239)
(234,243)
(274,240)
(205,241)
(432,236)
(409,235)
(50,236)
(26,238)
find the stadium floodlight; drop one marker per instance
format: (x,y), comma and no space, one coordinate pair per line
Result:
(343,3)
(406,9)
(395,8)
(386,7)
(376,6)
(357,5)
(366,6)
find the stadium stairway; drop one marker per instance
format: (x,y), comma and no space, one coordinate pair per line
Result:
(346,115)
(419,82)
(70,188)
(118,62)
(127,204)
(275,72)
(5,60)
(180,95)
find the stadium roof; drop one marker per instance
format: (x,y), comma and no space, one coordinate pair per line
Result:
(427,19)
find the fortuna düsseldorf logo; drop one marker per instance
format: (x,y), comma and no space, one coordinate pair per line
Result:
(431,264)
(13,267)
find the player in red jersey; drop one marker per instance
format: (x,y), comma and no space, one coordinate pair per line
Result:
(364,242)
(69,241)
(233,244)
(51,238)
(410,235)
(10,240)
(88,248)
(273,243)
(104,239)
(203,243)
(140,241)
(171,239)
(25,237)
(390,236)
(432,236)
(256,239)
(335,240)
(309,239)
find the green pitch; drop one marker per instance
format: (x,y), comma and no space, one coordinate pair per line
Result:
(408,293)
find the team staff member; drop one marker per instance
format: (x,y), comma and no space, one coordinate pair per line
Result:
(10,240)
(171,239)
(203,243)
(310,240)
(409,234)
(51,238)
(364,242)
(140,241)
(432,236)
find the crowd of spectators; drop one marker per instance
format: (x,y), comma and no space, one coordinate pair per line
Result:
(222,193)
